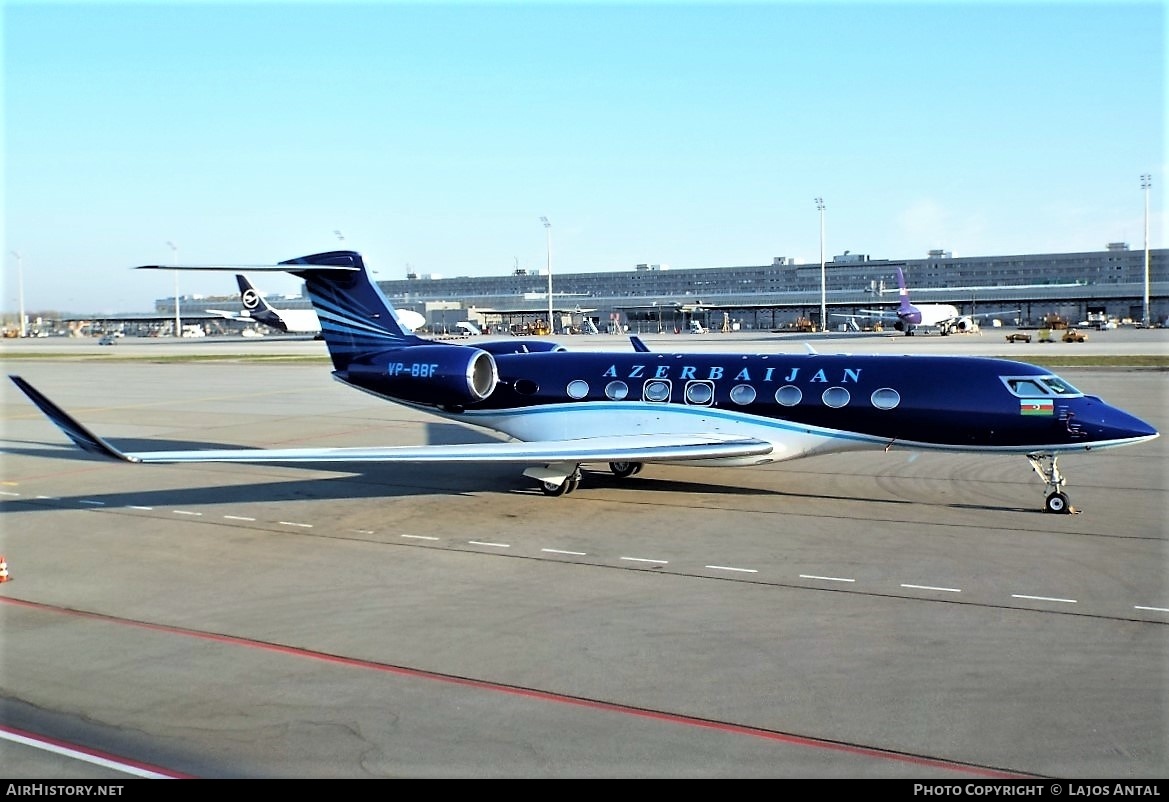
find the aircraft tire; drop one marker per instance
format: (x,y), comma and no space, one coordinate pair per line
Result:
(554,489)
(623,470)
(1057,503)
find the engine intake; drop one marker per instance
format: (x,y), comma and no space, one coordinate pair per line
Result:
(436,375)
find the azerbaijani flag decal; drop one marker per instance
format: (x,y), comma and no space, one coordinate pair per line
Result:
(1036,406)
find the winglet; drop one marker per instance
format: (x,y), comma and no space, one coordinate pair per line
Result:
(811,350)
(638,345)
(85,439)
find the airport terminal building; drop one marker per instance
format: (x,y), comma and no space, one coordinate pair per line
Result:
(1099,285)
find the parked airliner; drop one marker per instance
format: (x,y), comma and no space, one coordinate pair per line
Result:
(909,318)
(564,409)
(293,321)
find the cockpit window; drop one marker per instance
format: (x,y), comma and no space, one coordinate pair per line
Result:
(1059,386)
(1038,386)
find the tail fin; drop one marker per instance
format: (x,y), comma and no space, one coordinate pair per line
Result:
(356,318)
(903,291)
(256,307)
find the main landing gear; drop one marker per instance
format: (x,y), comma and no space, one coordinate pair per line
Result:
(562,488)
(1057,500)
(561,478)
(623,470)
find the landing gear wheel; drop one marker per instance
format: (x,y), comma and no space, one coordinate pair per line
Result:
(1058,503)
(554,489)
(623,470)
(563,488)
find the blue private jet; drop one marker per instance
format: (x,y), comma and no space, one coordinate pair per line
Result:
(563,409)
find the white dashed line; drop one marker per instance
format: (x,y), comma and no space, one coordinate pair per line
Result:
(643,560)
(826,578)
(185,512)
(92,503)
(419,537)
(729,568)
(294,523)
(484,543)
(569,553)
(6,493)
(136,507)
(1152,609)
(238,518)
(930,587)
(1042,598)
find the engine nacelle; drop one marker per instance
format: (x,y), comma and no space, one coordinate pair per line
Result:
(965,324)
(440,374)
(519,345)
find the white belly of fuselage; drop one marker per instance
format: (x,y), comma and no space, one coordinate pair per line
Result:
(577,421)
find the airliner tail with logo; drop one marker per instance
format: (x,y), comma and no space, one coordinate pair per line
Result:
(294,321)
(559,410)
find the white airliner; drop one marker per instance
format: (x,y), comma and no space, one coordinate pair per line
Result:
(907,317)
(294,321)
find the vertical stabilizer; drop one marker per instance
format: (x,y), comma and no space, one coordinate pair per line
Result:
(356,318)
(902,291)
(256,307)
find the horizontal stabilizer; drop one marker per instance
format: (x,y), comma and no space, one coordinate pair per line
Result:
(250,268)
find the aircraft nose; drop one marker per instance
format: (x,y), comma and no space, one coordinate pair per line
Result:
(1110,423)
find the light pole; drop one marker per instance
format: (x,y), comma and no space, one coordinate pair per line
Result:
(20,290)
(823,281)
(548,232)
(178,322)
(1146,182)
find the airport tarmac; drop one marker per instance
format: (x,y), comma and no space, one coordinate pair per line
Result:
(886,615)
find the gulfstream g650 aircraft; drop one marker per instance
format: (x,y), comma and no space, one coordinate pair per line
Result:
(565,409)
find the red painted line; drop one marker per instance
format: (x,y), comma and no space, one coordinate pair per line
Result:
(547,696)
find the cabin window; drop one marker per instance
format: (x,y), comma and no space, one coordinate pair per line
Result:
(657,390)
(789,395)
(885,398)
(616,391)
(835,397)
(700,393)
(578,389)
(742,394)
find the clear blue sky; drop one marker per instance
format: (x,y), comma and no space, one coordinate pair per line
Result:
(435,135)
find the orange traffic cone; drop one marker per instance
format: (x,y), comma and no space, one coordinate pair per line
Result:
(4,577)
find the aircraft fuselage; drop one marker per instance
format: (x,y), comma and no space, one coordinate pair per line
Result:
(803,403)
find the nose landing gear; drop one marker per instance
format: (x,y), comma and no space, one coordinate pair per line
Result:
(1046,466)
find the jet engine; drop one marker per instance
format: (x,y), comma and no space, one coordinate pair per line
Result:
(435,375)
(964,324)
